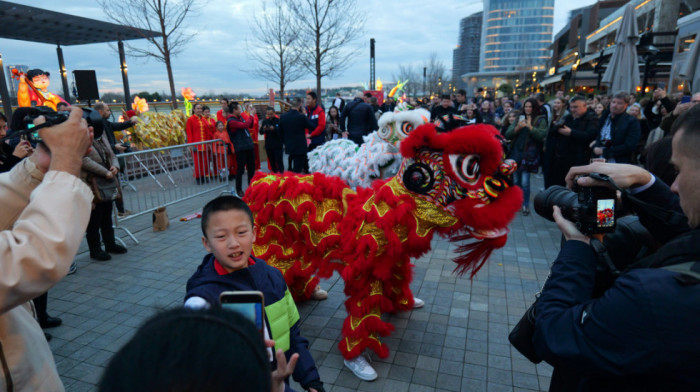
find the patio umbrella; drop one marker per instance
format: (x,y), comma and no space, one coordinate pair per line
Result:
(691,71)
(622,73)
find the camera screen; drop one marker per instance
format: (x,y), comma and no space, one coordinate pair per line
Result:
(606,213)
(250,310)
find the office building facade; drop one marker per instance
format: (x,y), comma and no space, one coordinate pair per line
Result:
(465,58)
(516,35)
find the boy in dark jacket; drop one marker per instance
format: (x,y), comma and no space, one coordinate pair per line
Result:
(229,232)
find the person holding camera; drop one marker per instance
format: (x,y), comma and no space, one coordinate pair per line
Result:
(44,212)
(641,334)
(619,133)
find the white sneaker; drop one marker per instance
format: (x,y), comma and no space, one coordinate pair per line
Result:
(418,303)
(361,368)
(319,294)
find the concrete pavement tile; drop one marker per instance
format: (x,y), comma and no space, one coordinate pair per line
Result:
(472,385)
(424,377)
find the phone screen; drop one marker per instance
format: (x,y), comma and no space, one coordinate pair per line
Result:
(248,303)
(250,310)
(605,213)
(685,99)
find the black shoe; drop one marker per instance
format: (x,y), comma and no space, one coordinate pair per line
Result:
(526,211)
(100,255)
(47,336)
(231,177)
(116,249)
(199,181)
(50,322)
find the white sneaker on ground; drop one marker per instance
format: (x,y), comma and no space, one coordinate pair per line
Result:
(73,268)
(418,303)
(361,368)
(319,294)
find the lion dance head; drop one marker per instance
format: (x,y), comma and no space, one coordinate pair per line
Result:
(464,171)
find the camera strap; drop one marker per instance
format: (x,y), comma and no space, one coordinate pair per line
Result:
(601,252)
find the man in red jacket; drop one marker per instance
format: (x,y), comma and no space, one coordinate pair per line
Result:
(315,113)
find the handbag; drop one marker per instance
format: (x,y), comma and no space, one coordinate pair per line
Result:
(521,335)
(104,189)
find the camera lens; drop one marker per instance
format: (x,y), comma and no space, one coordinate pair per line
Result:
(555,195)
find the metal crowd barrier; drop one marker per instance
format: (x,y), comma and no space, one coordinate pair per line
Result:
(163,176)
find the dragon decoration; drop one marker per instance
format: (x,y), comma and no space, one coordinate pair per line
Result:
(456,184)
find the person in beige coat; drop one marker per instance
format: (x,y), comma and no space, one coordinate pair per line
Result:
(44,211)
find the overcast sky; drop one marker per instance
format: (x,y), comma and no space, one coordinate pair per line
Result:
(406,32)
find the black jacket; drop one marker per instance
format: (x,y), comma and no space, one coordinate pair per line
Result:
(641,335)
(273,139)
(238,133)
(293,125)
(438,111)
(360,118)
(625,132)
(572,150)
(7,160)
(111,127)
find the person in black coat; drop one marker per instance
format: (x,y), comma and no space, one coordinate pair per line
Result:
(567,145)
(273,141)
(619,133)
(360,120)
(292,128)
(444,108)
(641,334)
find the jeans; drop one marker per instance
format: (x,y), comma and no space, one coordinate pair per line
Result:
(521,178)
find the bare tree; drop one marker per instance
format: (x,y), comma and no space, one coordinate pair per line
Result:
(408,73)
(164,16)
(329,27)
(275,47)
(436,73)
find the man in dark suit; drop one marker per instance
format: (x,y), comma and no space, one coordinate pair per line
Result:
(619,133)
(360,120)
(293,126)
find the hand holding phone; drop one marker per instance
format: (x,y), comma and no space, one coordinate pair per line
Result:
(248,303)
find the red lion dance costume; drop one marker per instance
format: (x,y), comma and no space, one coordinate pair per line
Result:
(456,184)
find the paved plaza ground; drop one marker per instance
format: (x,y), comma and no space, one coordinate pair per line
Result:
(457,342)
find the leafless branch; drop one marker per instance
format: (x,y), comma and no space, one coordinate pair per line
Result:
(329,27)
(166,17)
(275,46)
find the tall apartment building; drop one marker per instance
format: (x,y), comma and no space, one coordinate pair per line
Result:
(465,58)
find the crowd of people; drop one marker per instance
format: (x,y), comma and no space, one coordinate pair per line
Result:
(638,335)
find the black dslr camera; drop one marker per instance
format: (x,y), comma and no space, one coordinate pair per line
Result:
(23,120)
(592,209)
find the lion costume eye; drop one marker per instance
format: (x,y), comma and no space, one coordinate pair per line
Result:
(466,167)
(406,128)
(385,132)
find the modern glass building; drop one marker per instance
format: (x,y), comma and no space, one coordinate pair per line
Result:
(465,58)
(516,35)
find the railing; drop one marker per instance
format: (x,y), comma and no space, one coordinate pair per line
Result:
(163,176)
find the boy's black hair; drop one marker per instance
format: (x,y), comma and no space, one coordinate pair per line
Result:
(312,95)
(224,203)
(205,350)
